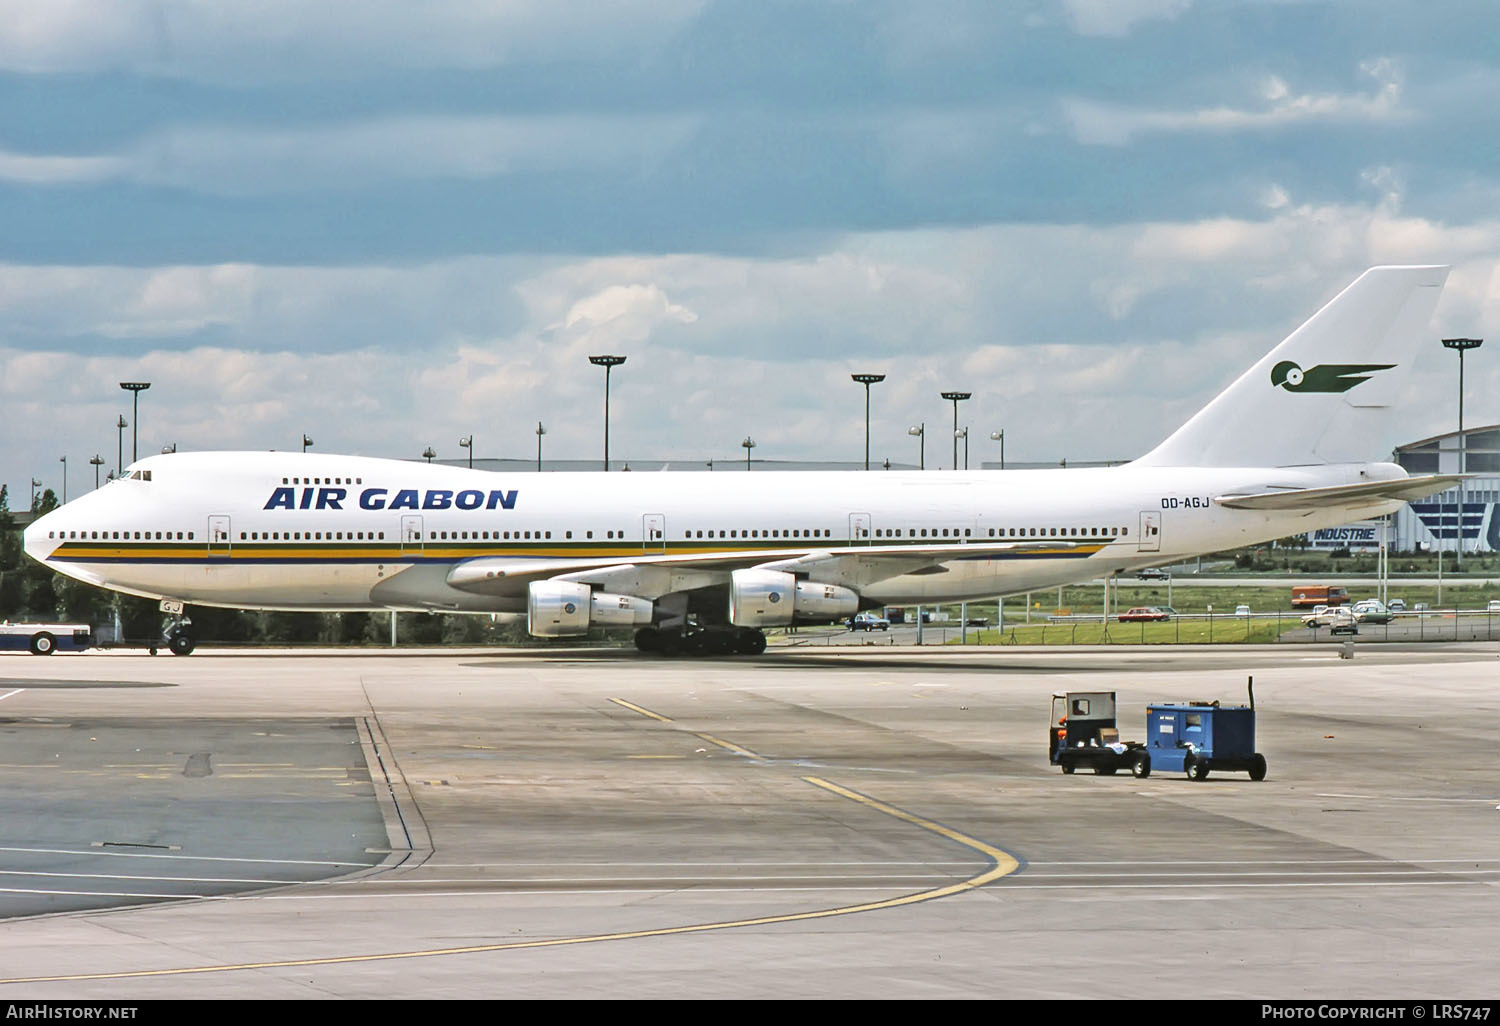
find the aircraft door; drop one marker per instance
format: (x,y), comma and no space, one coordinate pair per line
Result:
(653,534)
(1150,537)
(218,537)
(859,529)
(411,535)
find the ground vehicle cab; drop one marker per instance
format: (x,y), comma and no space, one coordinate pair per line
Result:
(868,622)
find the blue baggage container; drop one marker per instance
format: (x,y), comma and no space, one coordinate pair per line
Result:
(1197,737)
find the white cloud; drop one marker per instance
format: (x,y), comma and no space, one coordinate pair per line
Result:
(1118,17)
(289,40)
(1081,342)
(241,162)
(1094,122)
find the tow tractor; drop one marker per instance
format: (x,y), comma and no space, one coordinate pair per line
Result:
(1084,733)
(45,638)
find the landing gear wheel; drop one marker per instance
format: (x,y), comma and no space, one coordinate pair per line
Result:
(750,642)
(1068,767)
(1140,766)
(1196,767)
(43,644)
(648,639)
(1257,767)
(181,644)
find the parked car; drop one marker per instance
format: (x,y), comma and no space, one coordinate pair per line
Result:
(1142,614)
(1493,607)
(1338,620)
(868,622)
(1396,605)
(1317,618)
(1371,611)
(1152,573)
(1343,621)
(978,621)
(1168,610)
(1242,610)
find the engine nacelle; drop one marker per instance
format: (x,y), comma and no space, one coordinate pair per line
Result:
(561,609)
(770,598)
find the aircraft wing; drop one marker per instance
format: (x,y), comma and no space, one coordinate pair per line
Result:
(1368,493)
(650,575)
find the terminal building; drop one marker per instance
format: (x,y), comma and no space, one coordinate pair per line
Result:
(1438,521)
(1434,523)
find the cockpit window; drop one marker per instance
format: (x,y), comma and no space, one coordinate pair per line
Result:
(141,475)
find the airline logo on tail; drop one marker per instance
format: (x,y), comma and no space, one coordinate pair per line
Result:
(1325,377)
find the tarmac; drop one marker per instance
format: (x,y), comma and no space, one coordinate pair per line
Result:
(857,822)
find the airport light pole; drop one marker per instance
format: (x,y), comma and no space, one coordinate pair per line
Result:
(429,452)
(120,425)
(748,444)
(1461,346)
(35,484)
(306,441)
(135,388)
(64,461)
(956,398)
(965,433)
(999,436)
(97,461)
(608,363)
(867,380)
(540,431)
(920,431)
(468,443)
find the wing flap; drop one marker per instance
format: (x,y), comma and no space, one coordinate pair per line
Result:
(508,574)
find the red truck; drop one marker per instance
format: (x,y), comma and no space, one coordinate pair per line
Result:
(1319,595)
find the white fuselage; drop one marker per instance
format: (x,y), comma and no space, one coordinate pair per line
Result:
(262,530)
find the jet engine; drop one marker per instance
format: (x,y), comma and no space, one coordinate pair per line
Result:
(770,598)
(560,609)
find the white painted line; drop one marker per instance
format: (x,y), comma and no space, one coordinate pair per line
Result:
(187,858)
(17,691)
(1270,862)
(154,879)
(1392,798)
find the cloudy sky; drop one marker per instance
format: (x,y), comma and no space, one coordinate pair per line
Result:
(389,224)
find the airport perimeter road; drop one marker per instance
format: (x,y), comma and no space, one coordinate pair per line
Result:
(841,822)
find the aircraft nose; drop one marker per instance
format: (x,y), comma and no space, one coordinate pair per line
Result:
(35,540)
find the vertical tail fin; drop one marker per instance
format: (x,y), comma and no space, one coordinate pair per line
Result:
(1325,394)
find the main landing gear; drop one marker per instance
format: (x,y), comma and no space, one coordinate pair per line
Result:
(701,641)
(178,632)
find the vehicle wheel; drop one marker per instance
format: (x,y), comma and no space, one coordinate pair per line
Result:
(1258,767)
(181,644)
(751,642)
(1196,767)
(1140,766)
(43,644)
(648,639)
(1067,767)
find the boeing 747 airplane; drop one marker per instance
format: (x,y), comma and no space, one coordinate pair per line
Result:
(701,562)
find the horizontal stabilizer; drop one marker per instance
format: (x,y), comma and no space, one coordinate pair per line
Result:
(1369,493)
